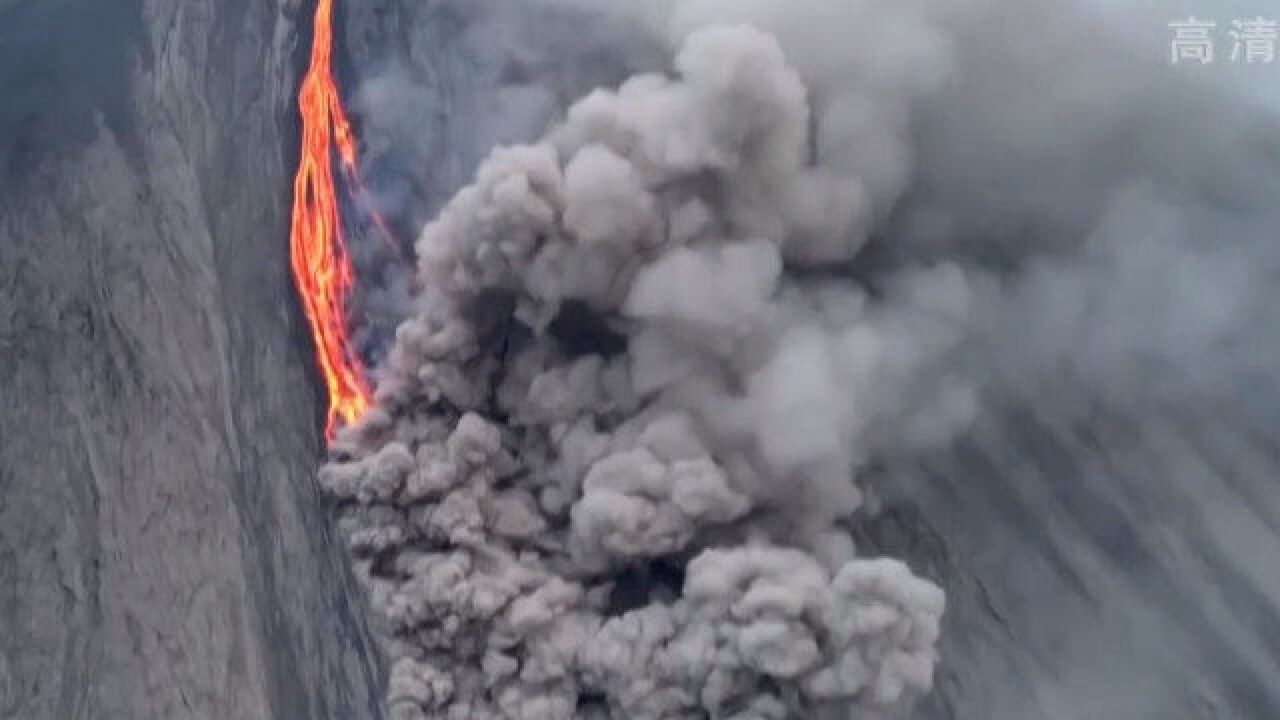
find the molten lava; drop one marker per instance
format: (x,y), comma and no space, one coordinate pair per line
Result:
(322,267)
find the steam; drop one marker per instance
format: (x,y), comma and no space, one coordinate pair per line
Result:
(614,442)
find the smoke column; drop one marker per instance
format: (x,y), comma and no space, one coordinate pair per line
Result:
(664,362)
(611,449)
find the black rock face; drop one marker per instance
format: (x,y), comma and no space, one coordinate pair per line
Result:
(164,552)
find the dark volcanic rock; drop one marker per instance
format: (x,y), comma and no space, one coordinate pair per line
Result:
(164,552)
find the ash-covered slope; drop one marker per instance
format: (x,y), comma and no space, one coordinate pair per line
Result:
(163,550)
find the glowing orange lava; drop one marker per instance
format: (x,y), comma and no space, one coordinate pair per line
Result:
(321,265)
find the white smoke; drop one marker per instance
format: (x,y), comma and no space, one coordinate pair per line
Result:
(627,361)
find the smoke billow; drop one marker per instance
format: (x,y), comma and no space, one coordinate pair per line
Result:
(653,359)
(614,441)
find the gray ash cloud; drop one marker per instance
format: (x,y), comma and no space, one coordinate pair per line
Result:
(652,359)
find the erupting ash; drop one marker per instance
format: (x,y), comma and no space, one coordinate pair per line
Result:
(976,263)
(322,268)
(609,461)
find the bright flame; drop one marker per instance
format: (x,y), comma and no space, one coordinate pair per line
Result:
(321,266)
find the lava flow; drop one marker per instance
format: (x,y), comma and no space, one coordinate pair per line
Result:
(322,266)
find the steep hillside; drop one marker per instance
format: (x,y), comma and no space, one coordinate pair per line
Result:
(163,549)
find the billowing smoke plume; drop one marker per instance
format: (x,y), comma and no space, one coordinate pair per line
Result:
(615,441)
(996,264)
